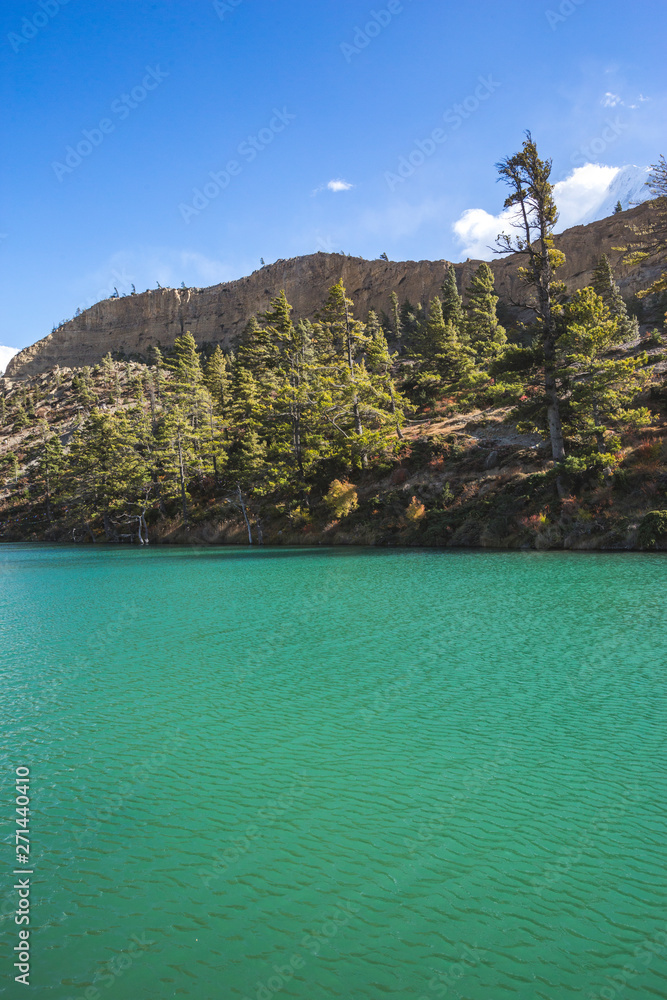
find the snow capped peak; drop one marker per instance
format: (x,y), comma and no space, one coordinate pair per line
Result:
(628,187)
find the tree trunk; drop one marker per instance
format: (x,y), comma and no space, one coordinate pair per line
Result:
(110,532)
(247,522)
(49,516)
(399,432)
(550,387)
(599,437)
(182,477)
(215,461)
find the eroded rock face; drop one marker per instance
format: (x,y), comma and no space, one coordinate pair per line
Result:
(219,313)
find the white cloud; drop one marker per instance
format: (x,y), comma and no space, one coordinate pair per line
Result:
(335,185)
(582,192)
(5,354)
(577,197)
(478,231)
(339,185)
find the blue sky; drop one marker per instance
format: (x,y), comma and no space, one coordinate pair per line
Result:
(117,114)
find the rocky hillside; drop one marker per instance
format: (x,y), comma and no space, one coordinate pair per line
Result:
(130,325)
(456,480)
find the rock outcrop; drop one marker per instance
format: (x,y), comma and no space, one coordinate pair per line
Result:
(134,323)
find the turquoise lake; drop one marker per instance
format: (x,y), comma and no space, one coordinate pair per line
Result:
(353,774)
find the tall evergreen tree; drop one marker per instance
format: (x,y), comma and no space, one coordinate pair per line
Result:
(481,323)
(257,351)
(452,303)
(186,363)
(217,378)
(528,178)
(606,287)
(603,389)
(396,320)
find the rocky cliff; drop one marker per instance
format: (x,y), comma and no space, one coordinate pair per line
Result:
(217,314)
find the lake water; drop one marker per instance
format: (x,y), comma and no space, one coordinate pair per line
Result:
(317,774)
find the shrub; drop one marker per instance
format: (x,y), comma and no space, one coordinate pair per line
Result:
(342,498)
(398,476)
(535,522)
(415,511)
(653,528)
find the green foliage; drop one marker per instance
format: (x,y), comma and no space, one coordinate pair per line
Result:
(341,498)
(82,386)
(603,389)
(483,330)
(217,378)
(652,529)
(452,303)
(296,403)
(605,286)
(185,362)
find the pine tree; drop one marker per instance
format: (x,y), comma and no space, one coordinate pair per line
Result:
(618,208)
(345,336)
(106,471)
(257,352)
(379,365)
(531,190)
(603,389)
(217,378)
(50,465)
(396,319)
(483,329)
(108,374)
(186,364)
(157,362)
(452,303)
(353,399)
(605,286)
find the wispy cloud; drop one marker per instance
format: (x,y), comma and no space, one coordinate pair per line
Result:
(611,100)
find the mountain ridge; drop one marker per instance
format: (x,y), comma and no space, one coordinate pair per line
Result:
(217,314)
